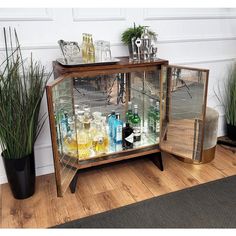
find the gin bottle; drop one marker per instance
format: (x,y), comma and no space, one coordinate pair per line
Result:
(150,116)
(117,129)
(127,137)
(157,118)
(136,124)
(111,119)
(129,113)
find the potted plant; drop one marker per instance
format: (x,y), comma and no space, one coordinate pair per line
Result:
(22,85)
(134,32)
(227,97)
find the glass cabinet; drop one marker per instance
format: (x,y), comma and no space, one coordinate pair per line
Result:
(102,114)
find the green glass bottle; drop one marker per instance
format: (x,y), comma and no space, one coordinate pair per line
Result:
(157,118)
(150,116)
(136,124)
(129,113)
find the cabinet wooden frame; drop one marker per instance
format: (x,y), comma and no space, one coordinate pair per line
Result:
(63,73)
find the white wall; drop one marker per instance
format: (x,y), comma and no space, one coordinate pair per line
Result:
(195,37)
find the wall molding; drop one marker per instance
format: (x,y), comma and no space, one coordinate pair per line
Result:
(77,16)
(189,13)
(184,39)
(202,61)
(45,15)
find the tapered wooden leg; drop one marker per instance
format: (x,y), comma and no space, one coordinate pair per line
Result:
(73,182)
(157,160)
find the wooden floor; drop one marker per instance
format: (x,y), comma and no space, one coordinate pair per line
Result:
(109,187)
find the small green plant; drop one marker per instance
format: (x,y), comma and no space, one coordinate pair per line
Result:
(227,96)
(22,85)
(136,32)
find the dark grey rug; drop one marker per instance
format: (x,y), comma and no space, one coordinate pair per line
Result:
(210,205)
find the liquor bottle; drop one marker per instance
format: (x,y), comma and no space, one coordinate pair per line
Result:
(84,143)
(150,116)
(157,118)
(101,140)
(146,44)
(63,123)
(127,137)
(87,118)
(136,124)
(84,48)
(111,119)
(117,129)
(90,50)
(129,113)
(58,131)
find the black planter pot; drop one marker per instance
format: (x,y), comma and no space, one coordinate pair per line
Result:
(20,175)
(231,131)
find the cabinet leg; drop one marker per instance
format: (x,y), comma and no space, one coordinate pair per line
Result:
(73,182)
(157,160)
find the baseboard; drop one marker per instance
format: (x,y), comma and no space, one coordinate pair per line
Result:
(41,170)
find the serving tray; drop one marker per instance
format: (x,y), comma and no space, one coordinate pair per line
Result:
(78,62)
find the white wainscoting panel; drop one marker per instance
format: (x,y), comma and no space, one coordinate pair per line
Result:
(26,14)
(98,14)
(203,38)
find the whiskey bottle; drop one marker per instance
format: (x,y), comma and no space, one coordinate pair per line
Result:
(129,113)
(127,137)
(136,124)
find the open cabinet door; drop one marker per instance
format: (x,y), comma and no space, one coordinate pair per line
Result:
(183,112)
(60,107)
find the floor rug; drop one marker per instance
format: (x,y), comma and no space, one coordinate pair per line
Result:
(209,205)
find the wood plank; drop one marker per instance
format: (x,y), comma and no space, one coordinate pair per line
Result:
(124,177)
(109,187)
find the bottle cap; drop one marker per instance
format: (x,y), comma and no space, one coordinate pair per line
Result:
(136,106)
(127,124)
(117,116)
(129,103)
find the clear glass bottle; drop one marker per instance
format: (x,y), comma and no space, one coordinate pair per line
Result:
(101,140)
(117,129)
(127,137)
(84,143)
(136,124)
(87,118)
(146,44)
(129,113)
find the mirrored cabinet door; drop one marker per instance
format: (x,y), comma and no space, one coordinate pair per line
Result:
(183,116)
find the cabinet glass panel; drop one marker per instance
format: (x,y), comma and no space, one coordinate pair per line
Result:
(183,119)
(62,97)
(83,106)
(89,117)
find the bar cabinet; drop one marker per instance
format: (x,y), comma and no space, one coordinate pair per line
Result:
(169,100)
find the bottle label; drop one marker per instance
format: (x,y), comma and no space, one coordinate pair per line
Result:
(119,133)
(137,131)
(157,127)
(130,138)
